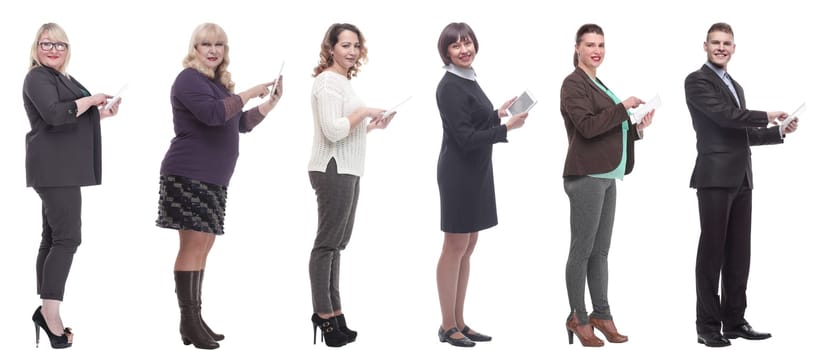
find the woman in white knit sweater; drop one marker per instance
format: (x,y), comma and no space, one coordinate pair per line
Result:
(341,122)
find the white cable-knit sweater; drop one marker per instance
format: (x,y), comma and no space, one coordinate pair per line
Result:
(332,100)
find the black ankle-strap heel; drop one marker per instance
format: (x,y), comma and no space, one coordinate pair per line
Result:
(330,332)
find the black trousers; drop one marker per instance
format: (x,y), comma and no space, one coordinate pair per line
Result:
(723,254)
(61,236)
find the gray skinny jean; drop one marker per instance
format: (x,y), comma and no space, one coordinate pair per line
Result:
(336,204)
(593,202)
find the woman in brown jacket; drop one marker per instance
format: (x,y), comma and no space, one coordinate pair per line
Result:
(601,139)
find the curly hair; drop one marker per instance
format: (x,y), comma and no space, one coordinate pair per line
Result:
(213,33)
(330,40)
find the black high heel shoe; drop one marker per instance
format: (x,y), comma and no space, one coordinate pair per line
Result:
(329,331)
(341,322)
(57,341)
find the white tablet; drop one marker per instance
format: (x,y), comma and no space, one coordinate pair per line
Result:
(390,111)
(115,98)
(524,103)
(274,88)
(797,114)
(640,111)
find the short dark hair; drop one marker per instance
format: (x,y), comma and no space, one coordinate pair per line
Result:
(585,29)
(451,33)
(720,27)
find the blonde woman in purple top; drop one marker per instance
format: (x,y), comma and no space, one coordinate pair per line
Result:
(195,172)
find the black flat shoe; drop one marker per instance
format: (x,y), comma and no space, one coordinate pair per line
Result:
(714,340)
(57,341)
(475,336)
(745,331)
(446,337)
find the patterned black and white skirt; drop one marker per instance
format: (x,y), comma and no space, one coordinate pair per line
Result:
(188,204)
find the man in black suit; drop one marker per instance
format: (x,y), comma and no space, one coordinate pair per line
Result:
(723,178)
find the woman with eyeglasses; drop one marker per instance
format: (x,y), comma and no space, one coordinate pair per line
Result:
(207,119)
(63,154)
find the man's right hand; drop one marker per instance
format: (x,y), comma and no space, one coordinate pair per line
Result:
(774,117)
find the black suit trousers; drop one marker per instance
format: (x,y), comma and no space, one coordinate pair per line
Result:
(723,254)
(61,236)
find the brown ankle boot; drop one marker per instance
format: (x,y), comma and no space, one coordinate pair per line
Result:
(608,330)
(584,332)
(190,326)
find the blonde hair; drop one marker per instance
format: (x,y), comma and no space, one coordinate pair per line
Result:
(214,33)
(330,40)
(55,33)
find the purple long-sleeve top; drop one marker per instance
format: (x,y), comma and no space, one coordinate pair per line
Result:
(207,120)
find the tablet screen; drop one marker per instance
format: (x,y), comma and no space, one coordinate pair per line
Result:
(522,104)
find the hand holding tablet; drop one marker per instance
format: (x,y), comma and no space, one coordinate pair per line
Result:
(522,104)
(640,111)
(274,89)
(115,98)
(798,112)
(389,112)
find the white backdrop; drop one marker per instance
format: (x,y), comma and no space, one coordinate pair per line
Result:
(120,291)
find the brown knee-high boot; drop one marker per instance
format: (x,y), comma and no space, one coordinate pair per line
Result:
(214,335)
(190,326)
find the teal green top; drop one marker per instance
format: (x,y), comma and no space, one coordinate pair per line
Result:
(619,171)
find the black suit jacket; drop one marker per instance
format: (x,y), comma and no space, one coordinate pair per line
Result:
(593,123)
(725,129)
(61,149)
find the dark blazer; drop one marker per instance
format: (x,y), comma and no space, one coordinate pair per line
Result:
(725,129)
(593,122)
(61,149)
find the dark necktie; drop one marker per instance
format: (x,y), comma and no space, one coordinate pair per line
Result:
(728,80)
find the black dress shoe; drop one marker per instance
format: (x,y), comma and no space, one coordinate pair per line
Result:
(714,340)
(475,336)
(446,337)
(57,341)
(745,331)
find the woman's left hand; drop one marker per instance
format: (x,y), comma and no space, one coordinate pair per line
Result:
(503,109)
(274,96)
(277,92)
(381,123)
(113,110)
(646,121)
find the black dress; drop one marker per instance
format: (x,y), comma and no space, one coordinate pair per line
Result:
(465,165)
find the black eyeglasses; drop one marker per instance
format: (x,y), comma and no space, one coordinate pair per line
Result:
(46,46)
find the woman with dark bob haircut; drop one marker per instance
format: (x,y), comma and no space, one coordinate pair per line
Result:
(465,174)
